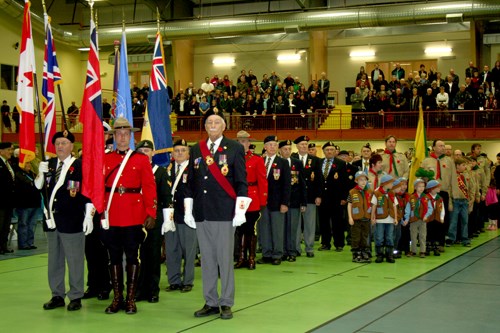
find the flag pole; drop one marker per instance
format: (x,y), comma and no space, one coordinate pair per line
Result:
(40,127)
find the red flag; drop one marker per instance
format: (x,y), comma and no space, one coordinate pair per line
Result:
(93,135)
(25,90)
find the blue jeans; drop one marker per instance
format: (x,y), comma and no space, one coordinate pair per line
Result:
(384,234)
(460,211)
(26,221)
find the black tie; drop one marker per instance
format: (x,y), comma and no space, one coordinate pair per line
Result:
(59,169)
(212,145)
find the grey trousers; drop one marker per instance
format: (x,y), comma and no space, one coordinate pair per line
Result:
(216,241)
(309,218)
(180,244)
(292,224)
(418,228)
(66,249)
(272,226)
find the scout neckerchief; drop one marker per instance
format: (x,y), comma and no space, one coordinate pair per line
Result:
(417,211)
(462,186)
(364,192)
(375,185)
(390,194)
(215,171)
(438,164)
(392,162)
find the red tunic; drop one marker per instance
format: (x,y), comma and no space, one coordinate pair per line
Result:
(130,209)
(257,181)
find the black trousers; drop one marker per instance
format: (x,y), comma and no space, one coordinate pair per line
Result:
(98,278)
(128,240)
(331,223)
(149,276)
(5,217)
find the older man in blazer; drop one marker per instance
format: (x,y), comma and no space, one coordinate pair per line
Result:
(7,179)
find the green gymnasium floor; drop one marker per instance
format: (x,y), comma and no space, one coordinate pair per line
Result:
(327,293)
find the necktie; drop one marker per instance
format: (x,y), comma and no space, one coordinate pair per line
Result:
(327,168)
(303,160)
(289,162)
(365,170)
(268,162)
(10,170)
(58,171)
(212,145)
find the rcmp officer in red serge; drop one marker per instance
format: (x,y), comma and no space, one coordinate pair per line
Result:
(217,199)
(335,190)
(257,191)
(130,205)
(68,219)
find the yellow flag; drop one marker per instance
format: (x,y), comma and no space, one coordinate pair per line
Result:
(146,128)
(420,150)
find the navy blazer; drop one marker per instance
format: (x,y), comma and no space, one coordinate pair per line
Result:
(278,184)
(8,186)
(211,201)
(179,193)
(312,176)
(68,210)
(298,194)
(335,185)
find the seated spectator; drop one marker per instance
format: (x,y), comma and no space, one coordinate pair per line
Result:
(378,83)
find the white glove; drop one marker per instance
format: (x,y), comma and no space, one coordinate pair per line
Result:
(105,221)
(168,221)
(241,206)
(188,213)
(50,223)
(43,167)
(88,224)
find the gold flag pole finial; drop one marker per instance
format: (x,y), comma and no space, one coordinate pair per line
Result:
(157,19)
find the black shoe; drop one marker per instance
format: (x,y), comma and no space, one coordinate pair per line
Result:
(89,293)
(24,248)
(310,254)
(55,302)
(207,311)
(75,305)
(379,259)
(390,260)
(173,287)
(103,295)
(276,262)
(284,258)
(226,312)
(265,260)
(33,247)
(8,251)
(339,249)
(292,259)
(324,248)
(186,288)
(154,299)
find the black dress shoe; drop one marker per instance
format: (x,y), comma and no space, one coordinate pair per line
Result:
(265,260)
(24,248)
(154,299)
(173,287)
(75,305)
(292,259)
(55,302)
(324,248)
(103,295)
(226,312)
(207,311)
(284,258)
(310,254)
(339,249)
(33,247)
(89,293)
(186,288)
(8,251)
(276,262)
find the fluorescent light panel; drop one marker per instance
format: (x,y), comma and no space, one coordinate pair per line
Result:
(438,50)
(223,61)
(288,57)
(365,53)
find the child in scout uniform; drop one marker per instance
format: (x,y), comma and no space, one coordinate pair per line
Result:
(359,211)
(401,230)
(462,199)
(434,216)
(418,227)
(384,217)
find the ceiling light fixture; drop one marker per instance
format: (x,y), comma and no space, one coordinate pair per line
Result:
(363,53)
(438,50)
(227,61)
(289,57)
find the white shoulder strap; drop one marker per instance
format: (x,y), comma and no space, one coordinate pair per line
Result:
(118,174)
(59,183)
(178,177)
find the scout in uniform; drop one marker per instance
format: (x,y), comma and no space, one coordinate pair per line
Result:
(394,163)
(434,216)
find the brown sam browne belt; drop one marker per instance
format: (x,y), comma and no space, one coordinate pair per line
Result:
(252,184)
(121,190)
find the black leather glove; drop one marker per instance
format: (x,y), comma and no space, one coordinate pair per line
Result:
(149,222)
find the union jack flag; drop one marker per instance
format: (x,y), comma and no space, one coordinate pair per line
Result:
(158,112)
(93,136)
(51,77)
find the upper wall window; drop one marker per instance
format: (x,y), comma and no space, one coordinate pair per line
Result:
(8,77)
